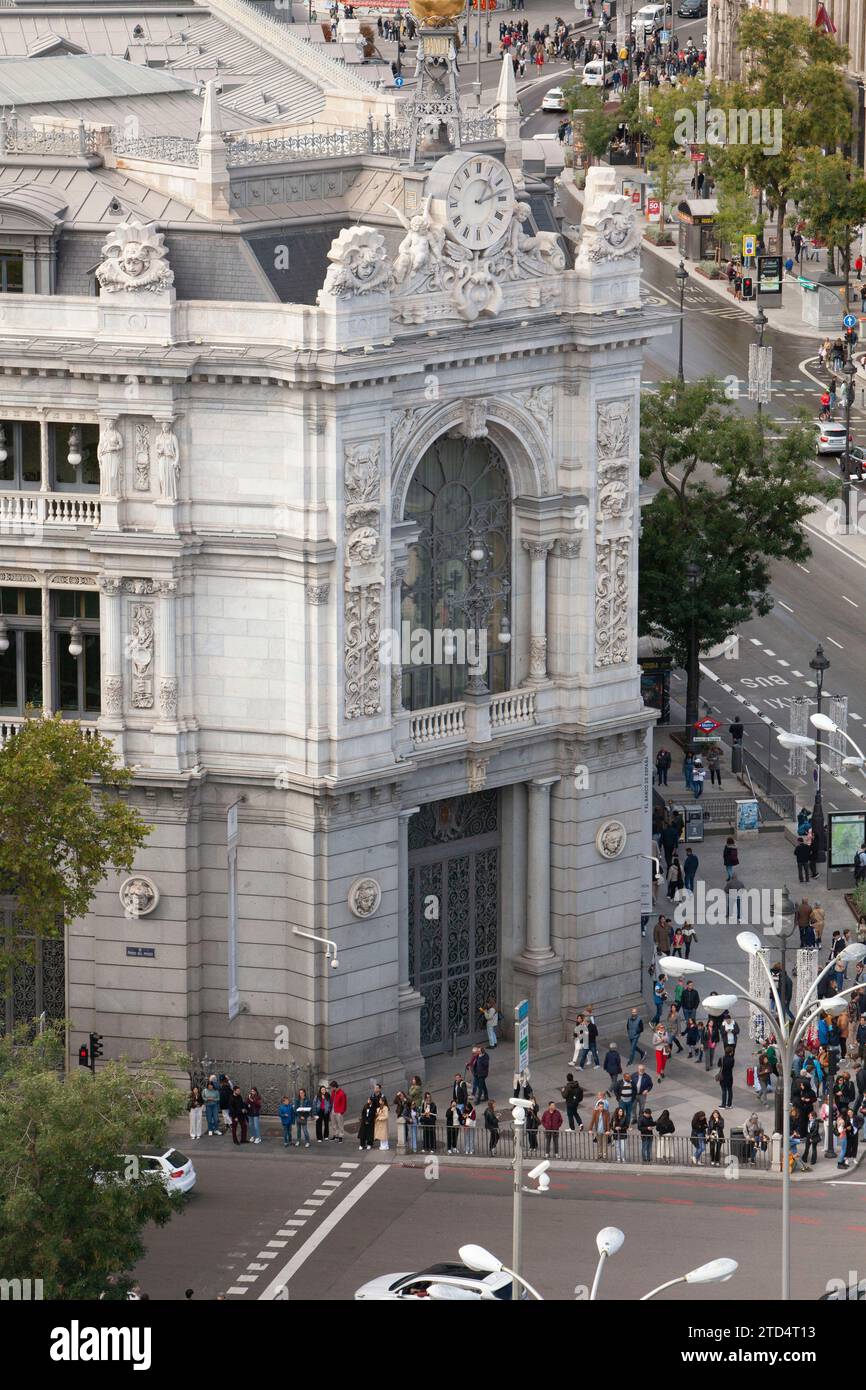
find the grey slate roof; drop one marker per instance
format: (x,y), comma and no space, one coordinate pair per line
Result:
(100,32)
(80,77)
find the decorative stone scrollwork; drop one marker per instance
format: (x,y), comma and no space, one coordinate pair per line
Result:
(109,585)
(135,258)
(403,427)
(168,697)
(613,499)
(363,580)
(139,586)
(568,549)
(474,422)
(539,403)
(609,229)
(613,429)
(138,896)
(611,839)
(141,482)
(113,694)
(359,264)
(476,773)
(364,898)
(141,653)
(318,593)
(538,657)
(611,601)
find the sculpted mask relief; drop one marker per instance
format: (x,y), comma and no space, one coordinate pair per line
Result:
(135,258)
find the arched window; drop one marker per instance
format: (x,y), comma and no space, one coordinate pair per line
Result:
(459,494)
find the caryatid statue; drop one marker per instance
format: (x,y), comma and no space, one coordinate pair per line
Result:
(168,460)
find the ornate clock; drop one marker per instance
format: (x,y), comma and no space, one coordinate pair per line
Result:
(473,198)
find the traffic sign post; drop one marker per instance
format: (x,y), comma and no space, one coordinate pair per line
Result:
(749,243)
(521,1037)
(707,725)
(849,321)
(398,81)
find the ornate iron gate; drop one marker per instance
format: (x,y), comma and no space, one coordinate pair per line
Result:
(454,915)
(38,986)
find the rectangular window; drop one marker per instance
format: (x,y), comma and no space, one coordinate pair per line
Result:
(11,272)
(65,476)
(76,678)
(20,454)
(21,663)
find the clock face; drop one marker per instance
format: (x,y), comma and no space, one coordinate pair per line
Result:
(479,202)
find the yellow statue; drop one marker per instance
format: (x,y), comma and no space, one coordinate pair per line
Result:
(436,13)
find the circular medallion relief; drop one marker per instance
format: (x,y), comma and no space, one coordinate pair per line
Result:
(138,896)
(365,896)
(611,838)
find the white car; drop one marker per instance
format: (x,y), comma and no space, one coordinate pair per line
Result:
(829,437)
(173,1167)
(649,18)
(554,100)
(438,1283)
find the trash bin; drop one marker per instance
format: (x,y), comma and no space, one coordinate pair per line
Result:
(738,1144)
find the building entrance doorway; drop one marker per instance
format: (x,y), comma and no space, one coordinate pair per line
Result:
(454,915)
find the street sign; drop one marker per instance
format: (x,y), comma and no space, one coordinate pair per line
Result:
(769,274)
(849,321)
(708,726)
(664,36)
(398,81)
(749,243)
(521,1018)
(653,209)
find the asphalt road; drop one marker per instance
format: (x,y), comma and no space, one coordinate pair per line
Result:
(823,600)
(376,1218)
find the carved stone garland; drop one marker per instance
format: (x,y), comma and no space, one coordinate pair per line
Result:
(612,619)
(363,580)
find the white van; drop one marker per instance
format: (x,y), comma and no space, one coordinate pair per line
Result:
(648,18)
(594,73)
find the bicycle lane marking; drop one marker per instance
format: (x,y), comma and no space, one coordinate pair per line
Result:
(290,1269)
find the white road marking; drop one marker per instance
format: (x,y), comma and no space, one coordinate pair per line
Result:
(339,1172)
(305,1211)
(836,644)
(784,605)
(237,1288)
(767,652)
(798,674)
(315,1201)
(292,1222)
(802,567)
(780,662)
(755,643)
(287,1233)
(324,1230)
(258,1267)
(266,1255)
(277,1244)
(858,717)
(247,1278)
(329,1182)
(851,601)
(833,805)
(322,1192)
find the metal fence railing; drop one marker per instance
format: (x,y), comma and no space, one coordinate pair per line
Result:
(676,1150)
(273,1080)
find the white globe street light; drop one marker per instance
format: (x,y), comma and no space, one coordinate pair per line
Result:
(795,740)
(681,967)
(716,1272)
(481,1260)
(609,1240)
(823,722)
(720,1003)
(749,942)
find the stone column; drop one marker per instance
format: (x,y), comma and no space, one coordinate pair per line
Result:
(538,945)
(167,688)
(398,574)
(409,1001)
(111,649)
(47,654)
(538,552)
(44,458)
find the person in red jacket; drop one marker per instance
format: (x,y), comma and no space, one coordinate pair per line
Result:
(338,1110)
(551,1123)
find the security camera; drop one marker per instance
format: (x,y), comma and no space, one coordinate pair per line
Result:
(539,1169)
(334,962)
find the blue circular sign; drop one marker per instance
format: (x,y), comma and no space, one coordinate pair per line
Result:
(849,321)
(398,81)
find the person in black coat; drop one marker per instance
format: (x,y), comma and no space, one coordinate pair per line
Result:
(225,1100)
(716,1137)
(365,1125)
(427,1118)
(238,1112)
(726,1078)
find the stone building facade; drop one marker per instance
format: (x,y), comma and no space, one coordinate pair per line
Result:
(256,514)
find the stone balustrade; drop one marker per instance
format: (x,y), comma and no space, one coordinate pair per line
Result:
(438,724)
(24,512)
(11,723)
(513,708)
(446,723)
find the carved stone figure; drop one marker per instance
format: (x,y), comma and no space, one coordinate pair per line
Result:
(610,227)
(422,245)
(168,697)
(613,499)
(365,895)
(613,420)
(541,248)
(359,264)
(109,452)
(140,651)
(113,694)
(135,258)
(168,460)
(138,896)
(611,839)
(474,422)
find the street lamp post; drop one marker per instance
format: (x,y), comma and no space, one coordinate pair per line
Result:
(682,278)
(787,915)
(716,1272)
(694,575)
(760,325)
(819,664)
(788,1034)
(849,372)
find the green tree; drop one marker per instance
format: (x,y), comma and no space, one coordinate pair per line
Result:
(731,501)
(593,125)
(796,70)
(58,1223)
(737,215)
(62,826)
(832,201)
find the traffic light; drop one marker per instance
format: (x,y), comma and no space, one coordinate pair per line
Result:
(84,1055)
(748,287)
(851,337)
(95,1048)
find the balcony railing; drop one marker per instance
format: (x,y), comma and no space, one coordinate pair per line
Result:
(11,723)
(24,513)
(443,724)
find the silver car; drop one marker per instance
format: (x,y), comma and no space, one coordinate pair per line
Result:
(829,437)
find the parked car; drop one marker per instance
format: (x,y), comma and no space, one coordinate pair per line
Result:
(172,1167)
(554,100)
(857,460)
(829,437)
(692,9)
(438,1282)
